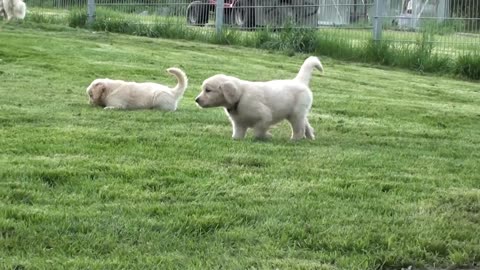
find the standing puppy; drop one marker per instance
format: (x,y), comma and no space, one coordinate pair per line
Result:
(259,105)
(13,9)
(117,94)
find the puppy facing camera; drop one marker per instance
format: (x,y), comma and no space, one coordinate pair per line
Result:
(259,105)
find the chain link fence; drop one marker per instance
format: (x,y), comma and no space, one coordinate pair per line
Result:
(53,10)
(452,27)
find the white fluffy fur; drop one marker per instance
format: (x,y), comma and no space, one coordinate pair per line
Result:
(13,9)
(259,105)
(2,10)
(117,94)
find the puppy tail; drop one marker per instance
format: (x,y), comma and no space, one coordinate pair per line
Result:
(182,81)
(305,73)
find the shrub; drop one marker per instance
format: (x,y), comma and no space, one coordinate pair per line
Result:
(77,18)
(419,56)
(468,66)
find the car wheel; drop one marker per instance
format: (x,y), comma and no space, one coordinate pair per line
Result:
(197,13)
(244,15)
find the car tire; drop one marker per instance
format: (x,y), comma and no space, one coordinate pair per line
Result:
(197,13)
(244,15)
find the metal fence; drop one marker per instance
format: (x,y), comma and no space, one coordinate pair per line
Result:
(452,26)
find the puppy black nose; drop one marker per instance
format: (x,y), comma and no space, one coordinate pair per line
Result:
(197,100)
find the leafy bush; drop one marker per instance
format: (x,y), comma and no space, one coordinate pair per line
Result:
(468,66)
(77,18)
(419,56)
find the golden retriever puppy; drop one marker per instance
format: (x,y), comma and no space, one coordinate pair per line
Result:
(259,105)
(13,9)
(117,94)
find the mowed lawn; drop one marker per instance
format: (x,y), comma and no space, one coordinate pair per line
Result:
(392,180)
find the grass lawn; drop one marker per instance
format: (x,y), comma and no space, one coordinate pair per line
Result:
(450,42)
(392,180)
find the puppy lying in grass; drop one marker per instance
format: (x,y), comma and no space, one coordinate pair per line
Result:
(259,105)
(117,94)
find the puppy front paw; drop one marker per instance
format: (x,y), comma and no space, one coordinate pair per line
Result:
(239,133)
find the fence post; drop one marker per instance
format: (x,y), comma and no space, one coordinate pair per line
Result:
(378,20)
(415,14)
(90,11)
(219,15)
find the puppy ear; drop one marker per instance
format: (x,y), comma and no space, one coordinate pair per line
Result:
(230,92)
(98,90)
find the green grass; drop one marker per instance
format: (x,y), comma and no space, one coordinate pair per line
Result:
(450,42)
(435,49)
(392,179)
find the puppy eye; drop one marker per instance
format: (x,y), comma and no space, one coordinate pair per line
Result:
(208,90)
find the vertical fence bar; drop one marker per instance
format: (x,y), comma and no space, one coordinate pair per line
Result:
(415,21)
(219,15)
(378,20)
(90,11)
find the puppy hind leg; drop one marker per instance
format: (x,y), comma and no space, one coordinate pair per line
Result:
(309,131)
(7,8)
(165,106)
(164,102)
(298,127)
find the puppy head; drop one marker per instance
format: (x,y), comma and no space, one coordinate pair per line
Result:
(219,90)
(95,92)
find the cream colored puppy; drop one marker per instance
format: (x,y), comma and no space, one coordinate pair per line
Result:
(13,9)
(259,105)
(117,94)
